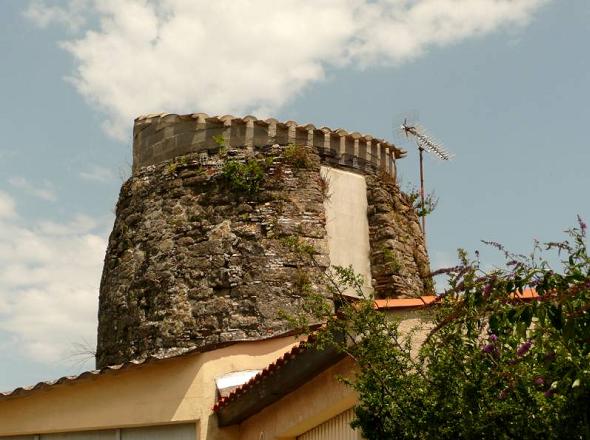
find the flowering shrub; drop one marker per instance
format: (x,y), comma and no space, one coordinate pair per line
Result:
(497,363)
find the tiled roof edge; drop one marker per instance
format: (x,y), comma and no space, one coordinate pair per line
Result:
(168,355)
(269,370)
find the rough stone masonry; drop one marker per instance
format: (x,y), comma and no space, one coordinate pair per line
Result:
(196,261)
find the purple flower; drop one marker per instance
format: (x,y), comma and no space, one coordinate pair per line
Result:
(549,393)
(583,225)
(522,350)
(487,289)
(489,348)
(493,337)
(539,380)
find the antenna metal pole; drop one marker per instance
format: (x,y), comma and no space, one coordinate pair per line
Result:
(422,193)
(424,142)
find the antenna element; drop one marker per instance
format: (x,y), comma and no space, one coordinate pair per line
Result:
(424,143)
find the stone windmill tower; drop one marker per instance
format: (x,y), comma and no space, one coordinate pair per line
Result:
(197,255)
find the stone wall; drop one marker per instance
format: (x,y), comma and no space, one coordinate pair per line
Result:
(399,260)
(191,262)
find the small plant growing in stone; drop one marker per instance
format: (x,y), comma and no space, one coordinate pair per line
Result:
(244,177)
(180,161)
(391,260)
(324,183)
(422,209)
(171,168)
(298,156)
(220,141)
(302,281)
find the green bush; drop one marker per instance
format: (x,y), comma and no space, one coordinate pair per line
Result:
(244,177)
(298,156)
(494,365)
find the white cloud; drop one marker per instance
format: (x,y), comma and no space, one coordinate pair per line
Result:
(49,280)
(7,206)
(98,174)
(230,56)
(45,191)
(70,16)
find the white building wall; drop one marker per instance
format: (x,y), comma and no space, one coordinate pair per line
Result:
(346,222)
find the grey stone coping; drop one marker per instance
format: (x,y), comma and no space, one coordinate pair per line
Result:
(161,137)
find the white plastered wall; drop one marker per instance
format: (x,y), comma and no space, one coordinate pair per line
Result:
(346,222)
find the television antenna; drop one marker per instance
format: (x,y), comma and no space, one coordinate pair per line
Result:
(424,142)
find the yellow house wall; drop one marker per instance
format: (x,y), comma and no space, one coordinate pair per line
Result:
(313,403)
(183,390)
(170,391)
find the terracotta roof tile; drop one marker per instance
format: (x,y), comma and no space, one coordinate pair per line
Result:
(269,370)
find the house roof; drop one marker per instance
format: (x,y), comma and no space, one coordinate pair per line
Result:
(20,391)
(394,303)
(133,364)
(405,303)
(257,387)
(266,372)
(293,369)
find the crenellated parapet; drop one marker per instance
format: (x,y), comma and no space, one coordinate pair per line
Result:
(161,137)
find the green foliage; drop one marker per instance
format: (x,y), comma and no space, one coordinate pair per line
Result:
(391,260)
(299,156)
(303,249)
(430,201)
(244,177)
(493,366)
(220,141)
(179,161)
(171,168)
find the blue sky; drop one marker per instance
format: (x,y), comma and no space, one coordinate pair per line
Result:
(504,84)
